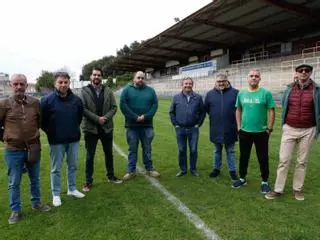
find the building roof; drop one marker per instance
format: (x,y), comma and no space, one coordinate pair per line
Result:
(227,24)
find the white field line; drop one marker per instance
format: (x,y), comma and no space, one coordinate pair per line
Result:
(193,218)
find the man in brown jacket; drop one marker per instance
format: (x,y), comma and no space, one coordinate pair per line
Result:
(20,115)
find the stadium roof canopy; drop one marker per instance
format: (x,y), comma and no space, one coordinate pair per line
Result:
(232,24)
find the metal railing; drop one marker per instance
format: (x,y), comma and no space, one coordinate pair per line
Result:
(276,73)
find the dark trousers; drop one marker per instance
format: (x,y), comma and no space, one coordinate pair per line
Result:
(91,141)
(261,141)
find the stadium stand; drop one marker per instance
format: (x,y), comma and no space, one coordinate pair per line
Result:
(232,37)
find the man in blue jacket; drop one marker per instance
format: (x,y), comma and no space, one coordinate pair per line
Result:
(187,114)
(61,115)
(220,105)
(139,104)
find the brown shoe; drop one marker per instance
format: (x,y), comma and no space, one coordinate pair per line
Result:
(153,173)
(272,195)
(129,175)
(41,207)
(298,195)
(87,187)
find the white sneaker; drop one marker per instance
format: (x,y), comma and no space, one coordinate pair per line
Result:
(75,193)
(56,201)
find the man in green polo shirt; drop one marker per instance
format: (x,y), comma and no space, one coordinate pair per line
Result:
(255,118)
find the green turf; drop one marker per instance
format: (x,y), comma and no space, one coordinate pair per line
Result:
(136,210)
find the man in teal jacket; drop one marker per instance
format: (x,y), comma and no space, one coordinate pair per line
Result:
(139,104)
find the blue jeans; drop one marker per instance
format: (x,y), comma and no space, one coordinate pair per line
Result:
(15,161)
(134,135)
(57,152)
(230,156)
(190,135)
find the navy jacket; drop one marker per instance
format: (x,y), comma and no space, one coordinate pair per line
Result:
(187,114)
(61,117)
(221,109)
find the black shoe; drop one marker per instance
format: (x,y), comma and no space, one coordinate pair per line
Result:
(215,173)
(195,173)
(239,183)
(233,175)
(180,174)
(114,179)
(25,168)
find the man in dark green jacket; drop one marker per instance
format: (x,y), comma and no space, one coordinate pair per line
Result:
(139,104)
(99,108)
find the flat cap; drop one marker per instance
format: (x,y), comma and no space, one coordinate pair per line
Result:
(304,66)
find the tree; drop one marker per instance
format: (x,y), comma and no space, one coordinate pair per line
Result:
(134,45)
(102,63)
(45,82)
(125,51)
(105,62)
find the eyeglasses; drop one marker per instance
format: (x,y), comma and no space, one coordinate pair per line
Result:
(140,78)
(96,75)
(306,70)
(256,76)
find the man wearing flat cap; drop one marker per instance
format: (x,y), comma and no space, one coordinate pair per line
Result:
(301,125)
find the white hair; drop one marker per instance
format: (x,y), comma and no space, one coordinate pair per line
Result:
(18,75)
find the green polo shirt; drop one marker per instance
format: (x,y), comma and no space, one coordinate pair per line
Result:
(255,106)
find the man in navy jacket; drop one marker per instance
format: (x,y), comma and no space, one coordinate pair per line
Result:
(187,114)
(61,116)
(220,105)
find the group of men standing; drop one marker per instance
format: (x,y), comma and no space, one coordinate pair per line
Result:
(60,114)
(247,115)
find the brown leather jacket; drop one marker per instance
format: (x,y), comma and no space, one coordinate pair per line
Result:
(21,122)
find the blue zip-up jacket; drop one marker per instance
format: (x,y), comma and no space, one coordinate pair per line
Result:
(187,114)
(316,99)
(220,106)
(61,117)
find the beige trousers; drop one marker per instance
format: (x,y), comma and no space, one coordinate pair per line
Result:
(304,138)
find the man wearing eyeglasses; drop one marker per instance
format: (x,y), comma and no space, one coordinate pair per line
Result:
(300,125)
(99,108)
(139,104)
(255,116)
(220,106)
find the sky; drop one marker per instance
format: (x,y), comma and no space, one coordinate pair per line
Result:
(38,35)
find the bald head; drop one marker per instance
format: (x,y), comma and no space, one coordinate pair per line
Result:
(139,73)
(18,83)
(139,78)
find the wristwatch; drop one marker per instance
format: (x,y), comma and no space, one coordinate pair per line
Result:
(269,129)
